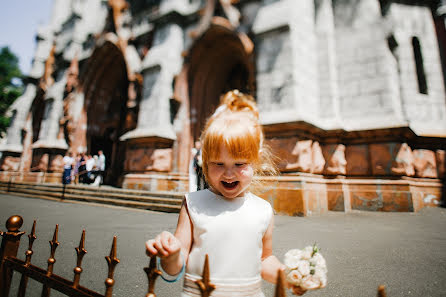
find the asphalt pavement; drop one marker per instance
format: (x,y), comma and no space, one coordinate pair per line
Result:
(406,252)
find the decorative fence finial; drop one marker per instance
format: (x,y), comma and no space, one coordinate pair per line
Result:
(112,261)
(152,273)
(382,291)
(24,279)
(204,284)
(53,244)
(9,248)
(14,223)
(80,251)
(280,285)
(51,260)
(31,237)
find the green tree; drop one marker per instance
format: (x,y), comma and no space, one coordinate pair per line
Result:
(10,84)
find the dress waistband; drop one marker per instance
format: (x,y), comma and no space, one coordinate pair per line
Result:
(252,289)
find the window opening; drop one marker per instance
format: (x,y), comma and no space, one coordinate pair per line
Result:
(421,75)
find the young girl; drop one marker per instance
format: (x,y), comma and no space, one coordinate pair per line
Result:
(226,221)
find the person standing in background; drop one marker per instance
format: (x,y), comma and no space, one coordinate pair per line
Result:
(89,164)
(67,166)
(198,166)
(101,166)
(192,171)
(82,169)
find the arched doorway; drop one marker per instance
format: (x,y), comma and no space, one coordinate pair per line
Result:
(105,86)
(218,62)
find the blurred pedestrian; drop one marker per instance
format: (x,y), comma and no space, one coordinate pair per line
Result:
(67,166)
(101,166)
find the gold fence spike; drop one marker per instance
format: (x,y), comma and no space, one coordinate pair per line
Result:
(51,260)
(152,273)
(280,285)
(204,284)
(28,253)
(112,261)
(80,251)
(31,237)
(53,244)
(382,291)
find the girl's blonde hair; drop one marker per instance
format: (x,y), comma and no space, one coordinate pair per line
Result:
(235,124)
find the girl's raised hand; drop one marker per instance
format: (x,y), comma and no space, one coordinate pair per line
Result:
(164,245)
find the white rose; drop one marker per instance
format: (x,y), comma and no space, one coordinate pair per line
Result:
(304,267)
(292,257)
(323,280)
(310,283)
(307,253)
(294,277)
(294,253)
(321,275)
(318,261)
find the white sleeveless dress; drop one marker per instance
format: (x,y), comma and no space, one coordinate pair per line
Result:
(230,231)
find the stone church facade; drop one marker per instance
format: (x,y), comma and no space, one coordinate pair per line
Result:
(351,95)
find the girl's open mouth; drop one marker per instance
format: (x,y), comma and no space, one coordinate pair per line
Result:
(229,186)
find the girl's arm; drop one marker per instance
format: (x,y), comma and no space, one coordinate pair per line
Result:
(168,246)
(184,231)
(270,264)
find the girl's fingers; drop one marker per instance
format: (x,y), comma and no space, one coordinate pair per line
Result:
(172,245)
(163,245)
(299,291)
(150,249)
(159,247)
(165,240)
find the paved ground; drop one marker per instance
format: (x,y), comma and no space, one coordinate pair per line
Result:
(404,251)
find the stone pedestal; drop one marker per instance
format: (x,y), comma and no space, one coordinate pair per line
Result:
(48,159)
(10,161)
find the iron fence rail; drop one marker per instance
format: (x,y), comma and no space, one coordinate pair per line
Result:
(50,281)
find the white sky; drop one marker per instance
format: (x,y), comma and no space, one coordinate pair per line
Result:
(19,20)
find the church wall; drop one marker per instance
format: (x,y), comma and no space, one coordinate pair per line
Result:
(327,61)
(274,71)
(365,80)
(336,85)
(286,62)
(424,110)
(367,74)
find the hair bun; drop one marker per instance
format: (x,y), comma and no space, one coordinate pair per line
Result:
(237,101)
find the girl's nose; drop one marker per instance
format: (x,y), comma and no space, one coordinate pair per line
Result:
(228,173)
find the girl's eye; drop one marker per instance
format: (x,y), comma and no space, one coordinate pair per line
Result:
(218,164)
(239,164)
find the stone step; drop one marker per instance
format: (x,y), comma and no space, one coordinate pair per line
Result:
(158,201)
(151,197)
(93,190)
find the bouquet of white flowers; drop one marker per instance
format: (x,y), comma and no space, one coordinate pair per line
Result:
(306,268)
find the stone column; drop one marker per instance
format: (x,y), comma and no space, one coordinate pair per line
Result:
(159,68)
(60,12)
(49,149)
(12,149)
(327,72)
(19,111)
(287,79)
(440,23)
(154,128)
